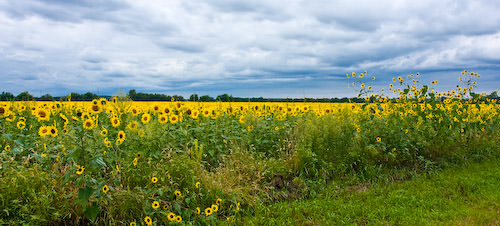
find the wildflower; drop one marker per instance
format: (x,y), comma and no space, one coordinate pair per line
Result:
(174,119)
(145,118)
(88,124)
(133,223)
(162,119)
(115,122)
(135,162)
(80,170)
(208,211)
(43,131)
(21,125)
(358,130)
(198,210)
(104,132)
(197,185)
(171,216)
(105,189)
(178,193)
(379,139)
(7,148)
(155,205)
(154,180)
(121,136)
(148,220)
(52,131)
(132,125)
(178,218)
(215,207)
(42,114)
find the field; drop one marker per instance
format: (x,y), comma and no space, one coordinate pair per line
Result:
(111,162)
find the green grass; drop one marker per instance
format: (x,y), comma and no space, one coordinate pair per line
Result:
(467,195)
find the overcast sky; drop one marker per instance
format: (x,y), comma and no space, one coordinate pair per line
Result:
(245,48)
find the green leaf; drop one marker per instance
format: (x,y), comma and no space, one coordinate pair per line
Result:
(91,211)
(84,194)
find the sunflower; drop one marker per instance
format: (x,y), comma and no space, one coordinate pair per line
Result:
(145,118)
(197,185)
(156,108)
(166,110)
(3,111)
(155,205)
(42,114)
(198,210)
(11,118)
(80,170)
(215,207)
(135,111)
(208,211)
(104,132)
(379,139)
(178,193)
(206,113)
(141,133)
(121,136)
(88,124)
(133,223)
(358,130)
(148,220)
(195,114)
(52,131)
(95,108)
(178,218)
(171,216)
(21,125)
(105,189)
(135,162)
(174,119)
(154,180)
(43,131)
(162,119)
(115,122)
(218,201)
(7,148)
(132,125)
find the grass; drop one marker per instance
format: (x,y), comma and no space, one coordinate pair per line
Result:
(455,196)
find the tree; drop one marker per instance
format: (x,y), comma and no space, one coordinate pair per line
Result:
(206,98)
(193,97)
(25,96)
(46,97)
(5,96)
(225,98)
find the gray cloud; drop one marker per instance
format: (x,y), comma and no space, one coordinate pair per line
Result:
(272,48)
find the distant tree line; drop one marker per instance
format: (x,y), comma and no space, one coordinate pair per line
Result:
(137,96)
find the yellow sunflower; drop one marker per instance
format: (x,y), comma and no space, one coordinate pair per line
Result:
(88,124)
(155,205)
(145,118)
(121,136)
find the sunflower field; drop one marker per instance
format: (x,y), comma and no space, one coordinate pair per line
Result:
(120,162)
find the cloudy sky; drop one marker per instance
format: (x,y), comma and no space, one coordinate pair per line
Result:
(266,48)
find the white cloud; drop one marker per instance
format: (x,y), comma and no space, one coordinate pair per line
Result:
(208,45)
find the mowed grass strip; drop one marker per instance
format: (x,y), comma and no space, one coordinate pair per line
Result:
(456,196)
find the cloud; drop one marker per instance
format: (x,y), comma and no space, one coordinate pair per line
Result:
(270,48)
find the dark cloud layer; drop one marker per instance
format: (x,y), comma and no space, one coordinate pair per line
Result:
(247,48)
